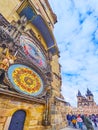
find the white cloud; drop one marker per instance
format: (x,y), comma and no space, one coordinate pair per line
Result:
(76,33)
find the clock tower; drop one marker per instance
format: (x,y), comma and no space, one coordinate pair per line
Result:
(30,73)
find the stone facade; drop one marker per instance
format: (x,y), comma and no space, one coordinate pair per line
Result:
(30,80)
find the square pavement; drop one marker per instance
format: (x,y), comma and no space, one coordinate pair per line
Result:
(69,128)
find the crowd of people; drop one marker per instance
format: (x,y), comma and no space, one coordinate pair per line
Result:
(79,121)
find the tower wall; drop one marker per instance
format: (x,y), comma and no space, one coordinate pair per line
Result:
(30,52)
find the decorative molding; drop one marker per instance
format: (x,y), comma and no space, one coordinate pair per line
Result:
(3,21)
(21,96)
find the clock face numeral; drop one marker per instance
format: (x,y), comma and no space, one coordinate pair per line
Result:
(32,51)
(25,80)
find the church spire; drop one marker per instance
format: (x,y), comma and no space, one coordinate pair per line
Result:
(89,93)
(79,94)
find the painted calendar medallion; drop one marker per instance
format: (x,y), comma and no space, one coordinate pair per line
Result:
(25,79)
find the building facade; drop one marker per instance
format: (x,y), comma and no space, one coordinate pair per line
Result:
(30,74)
(87,100)
(86,104)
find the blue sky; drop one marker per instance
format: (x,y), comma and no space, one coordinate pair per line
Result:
(76,33)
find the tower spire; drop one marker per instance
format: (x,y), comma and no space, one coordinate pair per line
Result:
(79,94)
(89,93)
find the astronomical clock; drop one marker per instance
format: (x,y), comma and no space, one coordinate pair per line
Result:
(26,74)
(23,62)
(32,51)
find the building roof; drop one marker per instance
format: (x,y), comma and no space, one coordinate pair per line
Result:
(52,13)
(79,94)
(62,100)
(88,93)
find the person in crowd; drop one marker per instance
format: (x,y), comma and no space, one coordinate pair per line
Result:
(80,122)
(94,120)
(88,123)
(74,121)
(69,119)
(82,116)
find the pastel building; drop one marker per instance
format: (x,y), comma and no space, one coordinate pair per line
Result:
(30,74)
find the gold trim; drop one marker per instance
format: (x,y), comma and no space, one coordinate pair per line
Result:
(24,4)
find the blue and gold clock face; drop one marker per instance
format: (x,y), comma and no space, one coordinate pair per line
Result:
(25,80)
(32,51)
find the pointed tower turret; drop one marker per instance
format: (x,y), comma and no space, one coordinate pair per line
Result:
(90,97)
(79,94)
(79,99)
(89,93)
